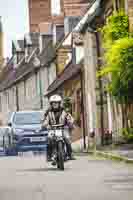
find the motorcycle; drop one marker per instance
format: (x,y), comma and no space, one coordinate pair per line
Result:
(56,135)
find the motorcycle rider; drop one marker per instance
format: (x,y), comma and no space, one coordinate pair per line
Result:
(57,115)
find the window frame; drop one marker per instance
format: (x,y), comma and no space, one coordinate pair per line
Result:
(54,5)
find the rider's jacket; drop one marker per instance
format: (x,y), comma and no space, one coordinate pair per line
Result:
(52,117)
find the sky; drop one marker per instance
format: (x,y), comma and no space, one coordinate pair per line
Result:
(15,21)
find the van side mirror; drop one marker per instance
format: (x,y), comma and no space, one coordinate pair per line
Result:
(9,124)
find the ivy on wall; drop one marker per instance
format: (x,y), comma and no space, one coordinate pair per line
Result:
(118,44)
(116,27)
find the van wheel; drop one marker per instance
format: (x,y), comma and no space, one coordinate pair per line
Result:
(14,152)
(11,152)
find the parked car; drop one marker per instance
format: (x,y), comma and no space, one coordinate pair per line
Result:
(5,140)
(26,131)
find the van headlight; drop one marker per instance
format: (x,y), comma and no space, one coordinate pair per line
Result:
(18,131)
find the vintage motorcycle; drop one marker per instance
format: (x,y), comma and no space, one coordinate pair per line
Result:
(56,135)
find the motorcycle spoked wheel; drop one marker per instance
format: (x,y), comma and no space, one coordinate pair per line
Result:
(60,156)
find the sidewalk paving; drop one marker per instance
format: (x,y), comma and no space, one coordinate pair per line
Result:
(123,152)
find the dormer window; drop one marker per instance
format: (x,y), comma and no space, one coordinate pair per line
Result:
(28,46)
(55,7)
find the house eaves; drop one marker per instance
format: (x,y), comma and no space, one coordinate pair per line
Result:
(24,69)
(21,61)
(48,54)
(89,16)
(32,54)
(69,72)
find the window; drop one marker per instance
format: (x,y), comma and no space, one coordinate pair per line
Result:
(24,118)
(55,7)
(59,33)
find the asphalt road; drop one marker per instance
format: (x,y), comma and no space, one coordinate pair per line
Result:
(31,178)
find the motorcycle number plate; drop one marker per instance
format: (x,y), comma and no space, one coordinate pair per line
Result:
(37,139)
(58,133)
(50,133)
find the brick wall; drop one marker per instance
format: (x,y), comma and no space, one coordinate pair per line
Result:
(75,7)
(40,11)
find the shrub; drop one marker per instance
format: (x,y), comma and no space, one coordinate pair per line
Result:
(116,27)
(118,57)
(128,134)
(119,63)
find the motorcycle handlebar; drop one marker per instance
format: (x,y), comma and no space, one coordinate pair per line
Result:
(57,126)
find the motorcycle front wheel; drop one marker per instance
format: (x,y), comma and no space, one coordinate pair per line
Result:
(60,158)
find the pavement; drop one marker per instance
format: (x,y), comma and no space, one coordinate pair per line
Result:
(121,152)
(125,153)
(29,177)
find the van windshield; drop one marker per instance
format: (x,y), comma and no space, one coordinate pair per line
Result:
(28,118)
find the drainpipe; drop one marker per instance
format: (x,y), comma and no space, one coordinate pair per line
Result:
(82,106)
(100,88)
(37,65)
(40,88)
(17,99)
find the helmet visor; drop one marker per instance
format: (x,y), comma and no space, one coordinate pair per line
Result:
(55,105)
